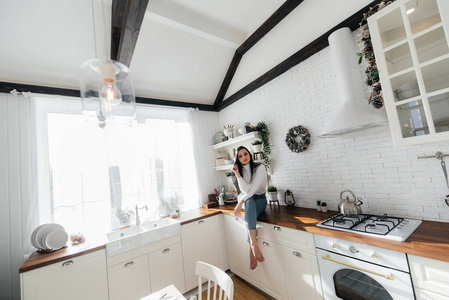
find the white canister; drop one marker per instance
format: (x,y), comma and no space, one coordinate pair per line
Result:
(220,199)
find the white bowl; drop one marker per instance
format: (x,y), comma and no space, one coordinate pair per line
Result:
(242,131)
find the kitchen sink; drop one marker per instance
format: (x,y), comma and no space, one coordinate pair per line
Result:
(129,238)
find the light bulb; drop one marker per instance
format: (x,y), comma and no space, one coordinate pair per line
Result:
(110,94)
(410,10)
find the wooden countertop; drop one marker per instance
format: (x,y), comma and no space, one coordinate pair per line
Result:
(431,239)
(38,260)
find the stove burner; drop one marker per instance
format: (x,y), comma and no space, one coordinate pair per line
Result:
(370,226)
(382,218)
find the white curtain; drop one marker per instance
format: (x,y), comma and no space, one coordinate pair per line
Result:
(18,192)
(204,126)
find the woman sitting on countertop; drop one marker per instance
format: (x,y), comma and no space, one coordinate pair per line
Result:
(251,179)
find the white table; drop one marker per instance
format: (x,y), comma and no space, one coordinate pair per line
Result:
(170,291)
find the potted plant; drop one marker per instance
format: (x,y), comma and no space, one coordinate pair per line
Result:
(263,135)
(323,206)
(272,193)
(318,205)
(257,146)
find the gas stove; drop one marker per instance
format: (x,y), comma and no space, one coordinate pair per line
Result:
(387,227)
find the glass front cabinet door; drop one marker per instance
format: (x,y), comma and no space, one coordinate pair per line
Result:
(412,56)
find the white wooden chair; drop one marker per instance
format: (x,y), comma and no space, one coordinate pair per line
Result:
(216,276)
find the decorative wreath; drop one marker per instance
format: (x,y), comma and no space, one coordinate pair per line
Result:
(291,139)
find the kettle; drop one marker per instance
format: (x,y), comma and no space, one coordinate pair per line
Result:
(349,206)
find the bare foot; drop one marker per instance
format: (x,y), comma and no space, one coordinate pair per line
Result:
(256,252)
(252,260)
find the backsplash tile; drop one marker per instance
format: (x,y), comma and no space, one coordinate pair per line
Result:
(390,180)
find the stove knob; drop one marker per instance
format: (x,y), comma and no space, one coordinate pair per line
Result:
(353,249)
(373,255)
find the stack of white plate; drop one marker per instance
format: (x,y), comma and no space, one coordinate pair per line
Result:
(49,236)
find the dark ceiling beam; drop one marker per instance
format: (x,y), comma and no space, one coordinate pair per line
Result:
(269,24)
(7,87)
(317,45)
(127,18)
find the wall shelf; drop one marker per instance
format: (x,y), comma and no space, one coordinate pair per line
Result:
(239,139)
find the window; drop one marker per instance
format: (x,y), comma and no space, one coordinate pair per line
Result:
(97,176)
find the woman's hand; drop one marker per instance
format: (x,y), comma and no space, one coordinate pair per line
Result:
(235,169)
(238,209)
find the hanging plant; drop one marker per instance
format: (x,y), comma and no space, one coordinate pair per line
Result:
(264,133)
(372,74)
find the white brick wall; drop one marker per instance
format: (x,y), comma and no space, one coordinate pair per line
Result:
(390,180)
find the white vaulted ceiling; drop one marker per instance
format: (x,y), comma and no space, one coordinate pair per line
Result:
(183,50)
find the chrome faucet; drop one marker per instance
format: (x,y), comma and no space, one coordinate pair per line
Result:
(137,214)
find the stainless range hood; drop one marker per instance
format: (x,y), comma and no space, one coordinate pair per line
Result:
(354,112)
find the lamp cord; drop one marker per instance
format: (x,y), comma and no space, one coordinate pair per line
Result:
(105,30)
(93,25)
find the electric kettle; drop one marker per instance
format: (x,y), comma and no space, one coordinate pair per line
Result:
(349,206)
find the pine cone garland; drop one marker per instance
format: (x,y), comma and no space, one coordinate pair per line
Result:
(377,102)
(365,43)
(377,88)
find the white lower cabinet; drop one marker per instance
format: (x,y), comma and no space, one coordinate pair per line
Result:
(238,250)
(272,271)
(430,278)
(129,279)
(202,241)
(290,270)
(142,271)
(81,277)
(428,295)
(166,267)
(302,274)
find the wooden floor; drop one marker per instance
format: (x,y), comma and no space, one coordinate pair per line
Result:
(244,291)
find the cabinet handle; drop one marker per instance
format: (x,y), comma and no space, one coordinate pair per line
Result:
(129,264)
(297,254)
(67,263)
(166,250)
(277,228)
(200,221)
(266,243)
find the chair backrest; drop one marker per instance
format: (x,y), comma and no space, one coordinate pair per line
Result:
(222,282)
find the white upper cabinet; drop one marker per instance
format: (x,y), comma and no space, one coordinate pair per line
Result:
(412,56)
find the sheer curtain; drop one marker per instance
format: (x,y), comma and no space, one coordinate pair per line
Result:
(18,189)
(204,126)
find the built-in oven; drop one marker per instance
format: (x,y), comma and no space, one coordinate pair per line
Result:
(353,271)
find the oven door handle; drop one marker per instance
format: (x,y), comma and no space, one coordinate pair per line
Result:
(388,276)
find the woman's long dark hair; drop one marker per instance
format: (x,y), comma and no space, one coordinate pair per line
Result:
(253,165)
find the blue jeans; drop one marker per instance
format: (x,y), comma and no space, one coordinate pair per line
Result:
(254,206)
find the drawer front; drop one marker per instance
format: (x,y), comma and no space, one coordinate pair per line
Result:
(430,274)
(209,222)
(292,238)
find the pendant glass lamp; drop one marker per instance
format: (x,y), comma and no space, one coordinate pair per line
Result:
(107,91)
